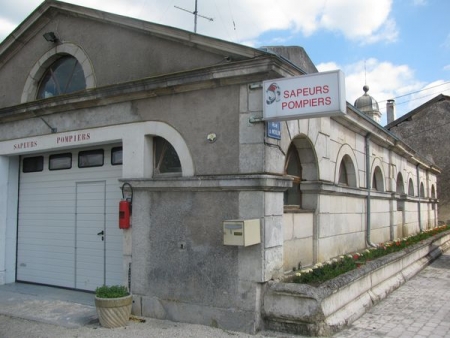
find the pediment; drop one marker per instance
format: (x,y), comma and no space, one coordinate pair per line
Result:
(112,49)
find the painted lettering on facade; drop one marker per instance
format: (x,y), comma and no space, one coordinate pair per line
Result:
(301,97)
(74,138)
(25,145)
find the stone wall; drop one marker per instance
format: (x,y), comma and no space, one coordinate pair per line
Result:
(298,240)
(426,132)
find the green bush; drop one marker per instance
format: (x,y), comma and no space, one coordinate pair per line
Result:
(113,291)
(322,272)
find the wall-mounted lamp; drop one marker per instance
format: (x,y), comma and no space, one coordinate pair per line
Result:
(50,37)
(212,137)
(253,86)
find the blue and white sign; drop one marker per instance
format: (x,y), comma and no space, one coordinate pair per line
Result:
(274,130)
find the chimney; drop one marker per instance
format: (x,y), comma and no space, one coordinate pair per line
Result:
(390,110)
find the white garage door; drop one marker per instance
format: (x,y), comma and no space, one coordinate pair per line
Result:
(68,232)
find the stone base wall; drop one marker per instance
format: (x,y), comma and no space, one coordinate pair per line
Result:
(323,310)
(298,240)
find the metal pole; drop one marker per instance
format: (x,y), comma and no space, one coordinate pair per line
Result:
(195,17)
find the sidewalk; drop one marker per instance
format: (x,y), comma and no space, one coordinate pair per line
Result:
(419,308)
(34,311)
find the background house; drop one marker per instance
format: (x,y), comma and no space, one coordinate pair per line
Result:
(425,130)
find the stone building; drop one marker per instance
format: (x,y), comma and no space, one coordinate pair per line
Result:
(425,130)
(97,107)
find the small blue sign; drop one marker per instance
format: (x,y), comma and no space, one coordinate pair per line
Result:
(274,130)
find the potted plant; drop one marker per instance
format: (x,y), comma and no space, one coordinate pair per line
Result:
(113,304)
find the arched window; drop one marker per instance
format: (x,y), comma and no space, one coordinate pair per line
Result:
(166,158)
(64,76)
(347,173)
(343,177)
(293,168)
(411,187)
(433,196)
(400,188)
(377,180)
(422,190)
(433,192)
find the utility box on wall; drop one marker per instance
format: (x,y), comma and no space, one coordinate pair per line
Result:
(241,232)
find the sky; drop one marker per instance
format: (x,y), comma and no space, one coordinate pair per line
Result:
(400,49)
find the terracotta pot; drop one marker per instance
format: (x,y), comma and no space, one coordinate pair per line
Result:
(114,312)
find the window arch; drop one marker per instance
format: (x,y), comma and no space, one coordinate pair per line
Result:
(347,174)
(293,168)
(433,196)
(410,187)
(400,186)
(36,75)
(343,176)
(422,190)
(64,76)
(377,180)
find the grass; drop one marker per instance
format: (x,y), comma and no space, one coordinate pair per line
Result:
(113,291)
(323,272)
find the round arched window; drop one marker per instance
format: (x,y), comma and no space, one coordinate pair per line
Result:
(64,76)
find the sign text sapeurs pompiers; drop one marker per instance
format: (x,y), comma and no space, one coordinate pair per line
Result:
(305,96)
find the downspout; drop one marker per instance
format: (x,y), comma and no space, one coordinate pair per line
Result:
(418,194)
(368,185)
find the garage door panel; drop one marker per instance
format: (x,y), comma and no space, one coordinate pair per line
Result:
(41,186)
(53,239)
(51,263)
(35,210)
(89,257)
(47,217)
(43,225)
(60,214)
(49,206)
(38,249)
(48,279)
(49,197)
(88,240)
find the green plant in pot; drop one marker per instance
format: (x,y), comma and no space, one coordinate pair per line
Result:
(113,304)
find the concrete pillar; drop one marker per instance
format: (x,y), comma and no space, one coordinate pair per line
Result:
(4,170)
(9,179)
(137,156)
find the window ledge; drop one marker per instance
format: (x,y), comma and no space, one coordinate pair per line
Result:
(295,209)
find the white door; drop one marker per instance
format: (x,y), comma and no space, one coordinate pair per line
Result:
(68,231)
(90,235)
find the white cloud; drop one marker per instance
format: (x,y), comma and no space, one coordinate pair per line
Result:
(388,32)
(366,21)
(420,2)
(6,27)
(326,66)
(246,20)
(387,81)
(428,92)
(446,43)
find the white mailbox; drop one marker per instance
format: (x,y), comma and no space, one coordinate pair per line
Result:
(241,232)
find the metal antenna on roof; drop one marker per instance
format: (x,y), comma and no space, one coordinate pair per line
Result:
(365,73)
(195,12)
